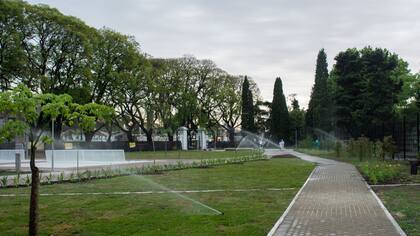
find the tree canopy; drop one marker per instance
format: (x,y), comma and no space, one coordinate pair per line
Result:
(248,122)
(368,84)
(279,113)
(319,108)
(53,53)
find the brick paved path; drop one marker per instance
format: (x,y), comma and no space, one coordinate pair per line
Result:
(335,201)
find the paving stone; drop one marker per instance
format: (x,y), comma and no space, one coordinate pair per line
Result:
(335,202)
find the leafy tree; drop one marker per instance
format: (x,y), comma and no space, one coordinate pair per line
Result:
(49,53)
(29,116)
(247,107)
(262,116)
(228,110)
(349,89)
(383,76)
(296,115)
(166,86)
(279,114)
(318,114)
(56,49)
(133,94)
(360,75)
(91,118)
(113,54)
(12,60)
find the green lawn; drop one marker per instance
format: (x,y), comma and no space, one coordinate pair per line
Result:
(244,213)
(191,154)
(404,204)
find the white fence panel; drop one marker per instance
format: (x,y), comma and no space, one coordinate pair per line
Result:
(91,155)
(8,155)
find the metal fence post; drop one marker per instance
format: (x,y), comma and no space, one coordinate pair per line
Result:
(77,162)
(17,162)
(52,145)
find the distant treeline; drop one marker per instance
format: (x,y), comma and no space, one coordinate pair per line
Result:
(49,52)
(366,88)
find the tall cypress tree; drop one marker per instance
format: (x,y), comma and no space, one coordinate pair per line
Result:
(247,107)
(279,113)
(320,105)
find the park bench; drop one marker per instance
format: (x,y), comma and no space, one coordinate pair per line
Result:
(414,165)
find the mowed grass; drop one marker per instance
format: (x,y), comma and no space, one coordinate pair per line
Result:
(191,154)
(244,213)
(404,204)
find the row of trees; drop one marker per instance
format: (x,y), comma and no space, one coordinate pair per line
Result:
(273,118)
(49,52)
(369,87)
(366,87)
(55,67)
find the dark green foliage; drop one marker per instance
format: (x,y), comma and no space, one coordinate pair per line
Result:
(11,53)
(296,117)
(388,147)
(367,84)
(319,108)
(262,116)
(338,149)
(247,107)
(280,124)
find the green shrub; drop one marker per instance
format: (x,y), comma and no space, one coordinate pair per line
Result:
(327,144)
(380,172)
(3,181)
(378,150)
(389,147)
(351,148)
(306,143)
(338,149)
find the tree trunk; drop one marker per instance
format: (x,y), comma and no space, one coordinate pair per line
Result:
(232,137)
(89,137)
(109,129)
(129,135)
(170,137)
(33,205)
(215,139)
(58,128)
(149,136)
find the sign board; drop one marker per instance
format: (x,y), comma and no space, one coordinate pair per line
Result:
(68,146)
(132,144)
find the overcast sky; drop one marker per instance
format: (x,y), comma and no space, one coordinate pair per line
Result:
(262,39)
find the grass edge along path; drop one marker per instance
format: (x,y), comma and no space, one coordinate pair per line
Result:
(403,202)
